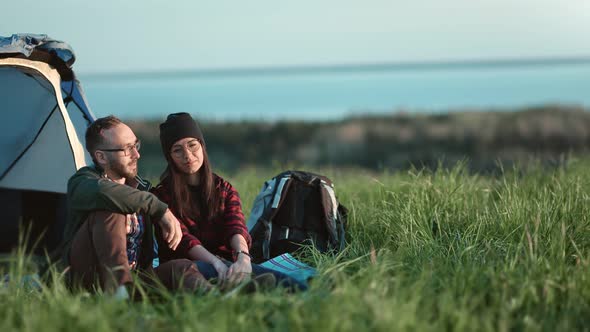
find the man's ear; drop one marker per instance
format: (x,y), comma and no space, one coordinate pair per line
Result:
(100,157)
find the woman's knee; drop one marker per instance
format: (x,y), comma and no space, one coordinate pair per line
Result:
(182,273)
(180,266)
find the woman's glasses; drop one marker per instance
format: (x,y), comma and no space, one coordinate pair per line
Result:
(192,146)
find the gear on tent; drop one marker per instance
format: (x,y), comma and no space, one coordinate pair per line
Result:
(42,138)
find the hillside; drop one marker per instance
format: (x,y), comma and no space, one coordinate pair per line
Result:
(396,141)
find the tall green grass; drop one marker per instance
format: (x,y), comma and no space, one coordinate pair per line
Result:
(427,251)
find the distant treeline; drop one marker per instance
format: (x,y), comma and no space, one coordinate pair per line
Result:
(395,141)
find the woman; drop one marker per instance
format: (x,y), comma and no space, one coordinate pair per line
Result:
(208,208)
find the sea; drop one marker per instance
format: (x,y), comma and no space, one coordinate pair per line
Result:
(335,93)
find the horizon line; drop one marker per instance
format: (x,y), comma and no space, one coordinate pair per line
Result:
(340,68)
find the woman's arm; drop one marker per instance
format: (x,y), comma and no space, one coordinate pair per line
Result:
(234,222)
(242,267)
(199,253)
(238,243)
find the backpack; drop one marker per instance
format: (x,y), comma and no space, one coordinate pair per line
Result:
(296,208)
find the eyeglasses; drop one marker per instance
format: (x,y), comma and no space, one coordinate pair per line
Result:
(127,151)
(178,150)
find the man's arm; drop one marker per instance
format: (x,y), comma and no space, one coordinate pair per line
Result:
(87,192)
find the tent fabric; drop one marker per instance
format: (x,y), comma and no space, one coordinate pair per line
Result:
(42,137)
(45,117)
(26,45)
(73,90)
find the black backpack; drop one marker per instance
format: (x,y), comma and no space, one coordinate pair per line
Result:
(296,208)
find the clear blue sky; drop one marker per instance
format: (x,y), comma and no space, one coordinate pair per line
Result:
(138,35)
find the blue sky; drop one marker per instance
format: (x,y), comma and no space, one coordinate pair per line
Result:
(133,35)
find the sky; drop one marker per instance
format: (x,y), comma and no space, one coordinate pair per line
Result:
(110,36)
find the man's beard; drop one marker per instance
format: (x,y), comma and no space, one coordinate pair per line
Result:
(127,171)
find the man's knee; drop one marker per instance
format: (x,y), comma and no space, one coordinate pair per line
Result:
(108,233)
(106,215)
(111,220)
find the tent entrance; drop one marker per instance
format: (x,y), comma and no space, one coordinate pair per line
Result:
(38,216)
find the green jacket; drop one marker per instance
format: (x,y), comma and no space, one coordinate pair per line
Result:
(89,191)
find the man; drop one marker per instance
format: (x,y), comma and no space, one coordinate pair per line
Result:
(110,217)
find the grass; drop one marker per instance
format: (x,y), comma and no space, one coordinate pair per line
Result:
(428,251)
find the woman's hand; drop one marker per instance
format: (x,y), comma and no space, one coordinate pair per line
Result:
(240,270)
(222,270)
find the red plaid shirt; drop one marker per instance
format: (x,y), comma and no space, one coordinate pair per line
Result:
(215,234)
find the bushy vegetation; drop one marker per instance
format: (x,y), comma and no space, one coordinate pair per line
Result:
(428,251)
(395,141)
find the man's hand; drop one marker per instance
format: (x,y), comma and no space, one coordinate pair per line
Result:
(170,229)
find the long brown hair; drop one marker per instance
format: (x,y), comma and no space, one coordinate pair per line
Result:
(184,201)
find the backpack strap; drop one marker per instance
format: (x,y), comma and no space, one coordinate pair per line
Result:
(266,239)
(331,215)
(278,192)
(270,211)
(341,223)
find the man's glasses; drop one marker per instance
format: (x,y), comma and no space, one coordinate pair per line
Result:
(127,151)
(192,146)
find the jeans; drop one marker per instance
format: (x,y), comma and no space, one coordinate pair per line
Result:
(283,280)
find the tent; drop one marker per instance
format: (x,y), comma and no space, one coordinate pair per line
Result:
(45,115)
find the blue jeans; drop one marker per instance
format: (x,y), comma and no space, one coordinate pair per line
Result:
(283,280)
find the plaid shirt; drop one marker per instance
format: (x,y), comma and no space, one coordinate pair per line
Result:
(135,230)
(215,234)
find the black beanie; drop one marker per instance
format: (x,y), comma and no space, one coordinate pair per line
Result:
(178,126)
